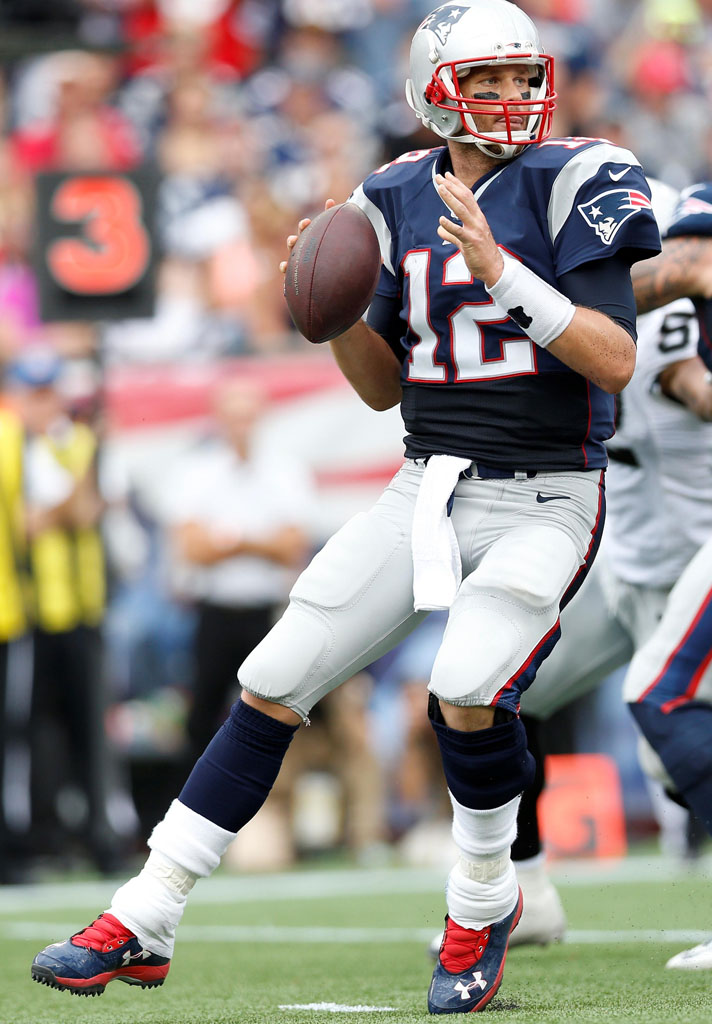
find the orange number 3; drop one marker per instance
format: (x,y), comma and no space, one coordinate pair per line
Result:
(115,249)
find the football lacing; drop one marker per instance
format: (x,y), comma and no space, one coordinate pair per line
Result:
(102,933)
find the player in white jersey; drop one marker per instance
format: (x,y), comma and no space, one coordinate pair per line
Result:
(659,487)
(668,687)
(659,513)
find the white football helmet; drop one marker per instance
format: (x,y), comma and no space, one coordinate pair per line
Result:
(458,36)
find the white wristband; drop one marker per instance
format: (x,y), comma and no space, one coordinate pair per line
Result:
(536,307)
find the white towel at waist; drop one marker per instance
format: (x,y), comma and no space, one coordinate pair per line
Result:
(437,569)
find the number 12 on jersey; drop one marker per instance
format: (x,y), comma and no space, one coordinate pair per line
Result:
(463,348)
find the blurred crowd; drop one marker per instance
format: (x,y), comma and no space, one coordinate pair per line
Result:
(118,605)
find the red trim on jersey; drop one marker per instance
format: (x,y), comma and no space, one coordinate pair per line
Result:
(691,690)
(581,568)
(411,157)
(594,533)
(695,681)
(471,277)
(484,359)
(434,360)
(527,663)
(588,425)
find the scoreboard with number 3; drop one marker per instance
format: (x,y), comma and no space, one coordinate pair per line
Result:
(95,253)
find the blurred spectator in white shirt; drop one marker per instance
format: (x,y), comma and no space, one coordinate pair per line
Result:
(240,521)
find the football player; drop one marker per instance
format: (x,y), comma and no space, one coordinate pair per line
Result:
(659,513)
(668,686)
(503,324)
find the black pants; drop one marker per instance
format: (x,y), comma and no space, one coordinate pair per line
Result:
(15,802)
(69,750)
(224,638)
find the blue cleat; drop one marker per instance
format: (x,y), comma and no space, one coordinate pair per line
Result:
(85,963)
(470,965)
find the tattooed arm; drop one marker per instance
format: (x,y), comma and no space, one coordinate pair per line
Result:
(683,269)
(688,381)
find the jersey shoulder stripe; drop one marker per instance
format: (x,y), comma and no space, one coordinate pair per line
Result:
(385,238)
(584,165)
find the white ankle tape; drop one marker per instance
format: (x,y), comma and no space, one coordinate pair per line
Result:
(482,834)
(186,838)
(175,878)
(540,310)
(485,870)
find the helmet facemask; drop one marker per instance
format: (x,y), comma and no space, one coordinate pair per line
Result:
(444,93)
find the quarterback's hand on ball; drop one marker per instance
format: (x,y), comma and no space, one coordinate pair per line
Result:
(472,236)
(292,239)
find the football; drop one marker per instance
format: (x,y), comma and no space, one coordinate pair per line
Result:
(332,272)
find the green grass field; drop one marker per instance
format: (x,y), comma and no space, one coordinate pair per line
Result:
(271,949)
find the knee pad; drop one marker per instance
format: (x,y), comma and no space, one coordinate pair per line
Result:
(486,768)
(503,622)
(280,667)
(492,650)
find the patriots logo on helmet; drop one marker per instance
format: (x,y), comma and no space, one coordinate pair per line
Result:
(610,210)
(441,20)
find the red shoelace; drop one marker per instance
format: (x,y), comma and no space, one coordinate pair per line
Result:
(105,934)
(462,947)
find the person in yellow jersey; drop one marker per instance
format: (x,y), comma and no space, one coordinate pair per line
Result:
(15,659)
(62,515)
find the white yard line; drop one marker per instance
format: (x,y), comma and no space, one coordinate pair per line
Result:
(308,935)
(336,1007)
(312,885)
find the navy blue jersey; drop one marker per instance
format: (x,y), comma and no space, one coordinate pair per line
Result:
(473,383)
(693,216)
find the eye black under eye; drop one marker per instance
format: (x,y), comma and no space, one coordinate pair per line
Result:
(495,96)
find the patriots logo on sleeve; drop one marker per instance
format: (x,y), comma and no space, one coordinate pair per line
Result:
(441,20)
(610,210)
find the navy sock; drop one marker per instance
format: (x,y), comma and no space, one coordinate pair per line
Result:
(486,768)
(528,841)
(233,777)
(683,741)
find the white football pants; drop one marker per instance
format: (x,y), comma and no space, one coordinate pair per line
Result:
(600,631)
(675,665)
(523,542)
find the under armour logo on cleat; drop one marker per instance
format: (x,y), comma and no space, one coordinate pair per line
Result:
(541,498)
(143,954)
(479,982)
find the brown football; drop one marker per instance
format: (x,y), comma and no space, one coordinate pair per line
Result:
(332,272)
